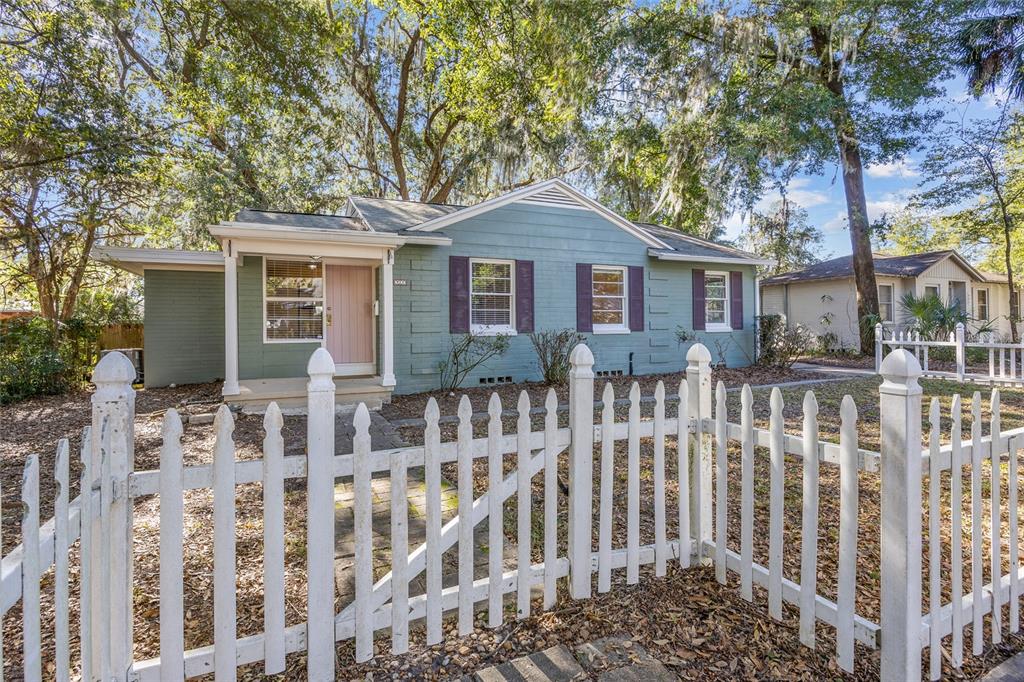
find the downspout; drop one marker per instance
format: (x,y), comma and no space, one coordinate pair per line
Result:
(757,317)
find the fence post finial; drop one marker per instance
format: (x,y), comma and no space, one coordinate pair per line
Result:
(900,409)
(698,395)
(581,480)
(320,513)
(961,352)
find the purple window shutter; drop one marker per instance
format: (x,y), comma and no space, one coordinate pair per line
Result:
(524,295)
(636,298)
(584,298)
(458,294)
(736,296)
(698,300)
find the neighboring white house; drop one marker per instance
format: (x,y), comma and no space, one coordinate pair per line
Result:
(822,298)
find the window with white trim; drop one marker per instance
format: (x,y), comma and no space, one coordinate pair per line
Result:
(716,301)
(608,288)
(885,302)
(982,309)
(491,296)
(293,301)
(932,290)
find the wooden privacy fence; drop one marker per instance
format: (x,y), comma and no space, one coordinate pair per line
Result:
(1003,363)
(97,526)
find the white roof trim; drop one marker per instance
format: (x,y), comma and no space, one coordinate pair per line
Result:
(138,260)
(678,256)
(262,231)
(525,193)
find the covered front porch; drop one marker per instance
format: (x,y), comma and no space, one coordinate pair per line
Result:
(290,288)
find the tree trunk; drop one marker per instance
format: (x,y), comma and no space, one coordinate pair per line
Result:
(1007,249)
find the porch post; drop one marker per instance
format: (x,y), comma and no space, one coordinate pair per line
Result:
(387,319)
(230,321)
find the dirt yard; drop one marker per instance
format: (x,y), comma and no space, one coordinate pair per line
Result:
(699,629)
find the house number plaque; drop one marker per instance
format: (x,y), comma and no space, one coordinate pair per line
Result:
(401,282)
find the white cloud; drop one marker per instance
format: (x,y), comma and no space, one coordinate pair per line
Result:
(835,224)
(798,192)
(903,168)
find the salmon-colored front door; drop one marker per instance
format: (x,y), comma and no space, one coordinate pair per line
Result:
(350,318)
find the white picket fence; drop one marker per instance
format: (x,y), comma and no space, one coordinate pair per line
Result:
(702,469)
(1005,360)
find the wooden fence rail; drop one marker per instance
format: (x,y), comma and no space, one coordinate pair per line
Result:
(96,528)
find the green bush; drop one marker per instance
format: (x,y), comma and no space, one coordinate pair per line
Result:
(37,358)
(779,345)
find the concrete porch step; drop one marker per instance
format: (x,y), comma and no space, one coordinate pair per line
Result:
(290,393)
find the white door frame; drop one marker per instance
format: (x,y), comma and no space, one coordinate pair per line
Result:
(352,369)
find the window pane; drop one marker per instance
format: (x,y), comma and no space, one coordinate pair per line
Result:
(715,312)
(607,304)
(294,320)
(714,287)
(607,317)
(294,279)
(885,294)
(492,278)
(608,288)
(491,310)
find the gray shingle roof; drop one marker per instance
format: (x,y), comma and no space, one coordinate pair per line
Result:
(395,215)
(690,245)
(314,220)
(837,268)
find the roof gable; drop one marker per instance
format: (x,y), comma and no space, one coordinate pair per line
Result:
(553,191)
(913,265)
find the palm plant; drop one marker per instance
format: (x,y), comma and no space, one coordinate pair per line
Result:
(930,317)
(990,48)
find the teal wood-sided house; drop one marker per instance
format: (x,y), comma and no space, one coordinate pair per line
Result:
(386,285)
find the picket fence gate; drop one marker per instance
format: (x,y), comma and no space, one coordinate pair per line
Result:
(1005,360)
(100,521)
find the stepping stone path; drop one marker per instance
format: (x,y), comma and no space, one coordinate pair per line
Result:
(610,659)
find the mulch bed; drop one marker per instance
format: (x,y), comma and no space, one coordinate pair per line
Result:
(413,406)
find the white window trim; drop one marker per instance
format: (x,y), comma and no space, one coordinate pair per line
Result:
(611,328)
(494,329)
(892,303)
(719,326)
(323,304)
(936,287)
(988,304)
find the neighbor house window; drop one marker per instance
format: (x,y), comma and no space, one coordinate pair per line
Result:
(608,289)
(1015,305)
(885,306)
(716,301)
(492,294)
(982,311)
(294,300)
(932,290)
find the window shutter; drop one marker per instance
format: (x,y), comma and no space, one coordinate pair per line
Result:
(584,298)
(698,300)
(636,298)
(458,294)
(736,294)
(524,295)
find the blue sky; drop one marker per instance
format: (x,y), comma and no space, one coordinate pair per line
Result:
(888,187)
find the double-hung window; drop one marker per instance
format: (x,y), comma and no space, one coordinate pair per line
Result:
(932,290)
(716,301)
(885,302)
(982,308)
(293,299)
(608,292)
(492,297)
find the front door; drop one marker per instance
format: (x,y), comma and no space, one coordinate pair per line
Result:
(350,334)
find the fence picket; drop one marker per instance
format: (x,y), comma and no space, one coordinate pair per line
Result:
(172,510)
(103,614)
(721,483)
(747,495)
(363,521)
(776,511)
(633,489)
(809,534)
(996,520)
(273,541)
(62,652)
(465,466)
(977,579)
(660,546)
(604,539)
(399,553)
(495,513)
(934,541)
(956,494)
(432,472)
(683,468)
(224,566)
(85,554)
(848,508)
(550,498)
(524,505)
(30,570)
(1014,549)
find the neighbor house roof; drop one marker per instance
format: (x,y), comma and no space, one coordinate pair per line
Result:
(889,266)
